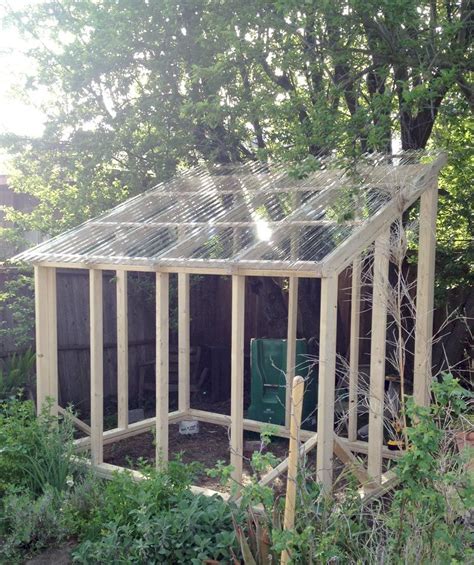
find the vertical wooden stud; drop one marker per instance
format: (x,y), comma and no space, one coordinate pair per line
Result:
(46,337)
(291,344)
(97,365)
(327,380)
(122,348)
(354,350)
(53,341)
(425,296)
(184,347)
(162,368)
(377,354)
(296,411)
(237,377)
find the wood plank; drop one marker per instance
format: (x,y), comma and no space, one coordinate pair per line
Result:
(42,336)
(327,381)
(80,425)
(291,344)
(122,348)
(97,365)
(162,368)
(377,354)
(237,377)
(184,346)
(297,393)
(354,349)
(53,341)
(425,297)
(345,455)
(137,428)
(283,466)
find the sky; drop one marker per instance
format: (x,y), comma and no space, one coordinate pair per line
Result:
(16,114)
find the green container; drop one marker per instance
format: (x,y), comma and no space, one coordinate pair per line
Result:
(268,385)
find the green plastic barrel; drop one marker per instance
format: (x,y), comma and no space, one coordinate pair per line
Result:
(268,381)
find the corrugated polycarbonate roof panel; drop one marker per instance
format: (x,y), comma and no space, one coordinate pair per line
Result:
(254,215)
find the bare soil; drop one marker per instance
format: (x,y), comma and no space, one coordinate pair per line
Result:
(207,447)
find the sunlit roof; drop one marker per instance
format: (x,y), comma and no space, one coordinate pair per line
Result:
(251,217)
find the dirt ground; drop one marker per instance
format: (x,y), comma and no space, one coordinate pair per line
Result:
(207,447)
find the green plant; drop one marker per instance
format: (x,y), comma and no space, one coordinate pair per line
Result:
(36,453)
(29,524)
(158,520)
(16,374)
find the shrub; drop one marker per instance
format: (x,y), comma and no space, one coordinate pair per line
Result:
(158,520)
(29,524)
(35,453)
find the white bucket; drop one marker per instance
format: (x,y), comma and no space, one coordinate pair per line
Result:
(189,427)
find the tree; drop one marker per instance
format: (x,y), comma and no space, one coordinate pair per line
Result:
(142,88)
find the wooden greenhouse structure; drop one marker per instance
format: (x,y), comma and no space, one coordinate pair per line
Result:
(249,220)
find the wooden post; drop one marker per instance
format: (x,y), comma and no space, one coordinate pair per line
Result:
(425,296)
(184,347)
(97,365)
(377,354)
(237,377)
(295,424)
(162,368)
(46,337)
(354,350)
(122,349)
(327,380)
(291,344)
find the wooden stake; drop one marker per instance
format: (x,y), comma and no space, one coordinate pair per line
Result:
(327,380)
(46,338)
(184,370)
(377,354)
(162,368)
(291,344)
(237,377)
(354,350)
(97,365)
(122,349)
(292,476)
(425,296)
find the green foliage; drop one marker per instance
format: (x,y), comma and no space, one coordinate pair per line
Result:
(35,453)
(29,524)
(16,374)
(17,303)
(436,491)
(156,520)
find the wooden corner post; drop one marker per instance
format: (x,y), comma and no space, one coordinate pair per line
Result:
(184,346)
(97,365)
(291,344)
(122,349)
(425,296)
(377,354)
(354,349)
(237,377)
(162,368)
(327,380)
(46,337)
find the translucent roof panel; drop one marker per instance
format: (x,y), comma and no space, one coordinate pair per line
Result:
(254,216)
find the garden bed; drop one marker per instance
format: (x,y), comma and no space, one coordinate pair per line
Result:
(207,447)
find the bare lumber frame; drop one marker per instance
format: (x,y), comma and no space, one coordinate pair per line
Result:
(425,296)
(46,338)
(377,354)
(295,424)
(354,349)
(162,368)
(97,365)
(327,381)
(122,349)
(237,377)
(291,344)
(80,425)
(184,368)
